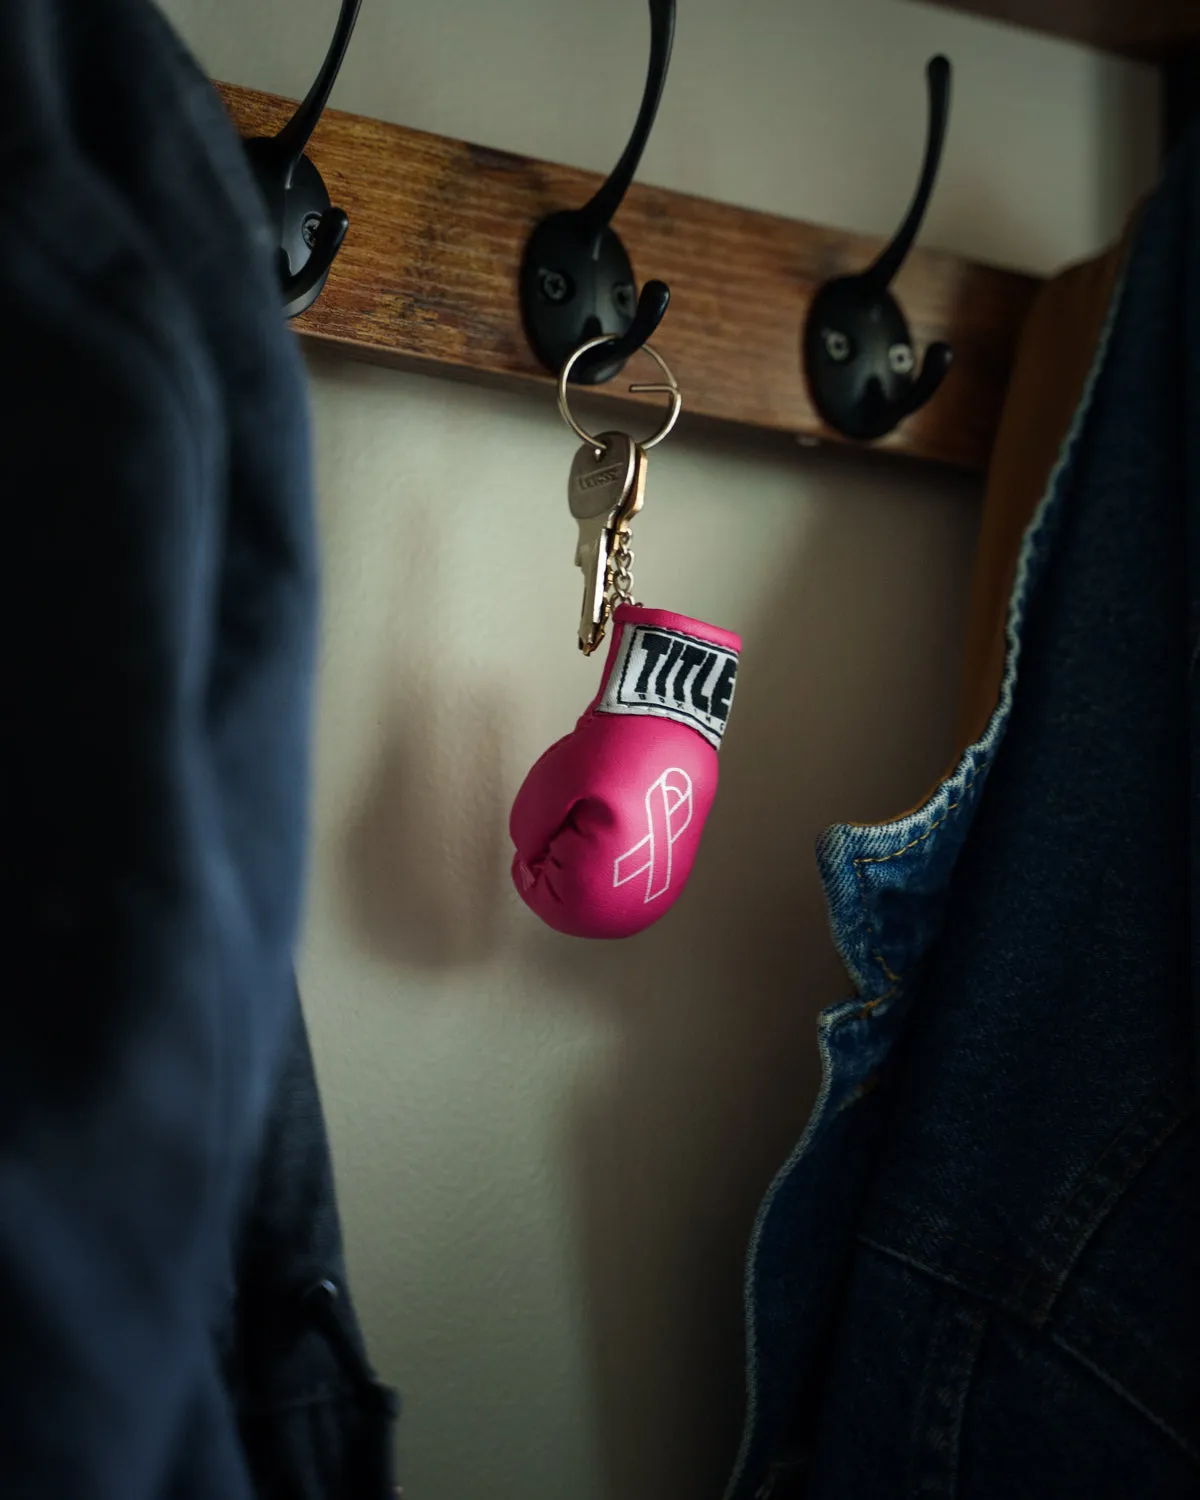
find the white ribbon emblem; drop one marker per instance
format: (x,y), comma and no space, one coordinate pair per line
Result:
(668,814)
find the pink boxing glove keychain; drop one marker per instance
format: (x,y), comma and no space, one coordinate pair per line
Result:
(608,821)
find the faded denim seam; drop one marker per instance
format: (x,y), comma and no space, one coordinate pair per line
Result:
(1132,1147)
(1115,1385)
(949,1277)
(950,1361)
(881,859)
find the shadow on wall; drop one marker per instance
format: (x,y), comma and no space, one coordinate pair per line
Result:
(839,714)
(715,1006)
(422,853)
(1129,142)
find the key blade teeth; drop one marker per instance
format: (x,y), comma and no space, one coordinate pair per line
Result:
(592,556)
(636,496)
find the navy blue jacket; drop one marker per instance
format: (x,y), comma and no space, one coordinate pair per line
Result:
(979,1276)
(159,604)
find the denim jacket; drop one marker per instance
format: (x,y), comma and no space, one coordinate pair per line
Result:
(978,1277)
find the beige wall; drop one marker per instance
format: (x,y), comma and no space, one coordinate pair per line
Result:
(550,1152)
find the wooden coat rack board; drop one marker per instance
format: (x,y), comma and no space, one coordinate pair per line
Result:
(427,280)
(1150,30)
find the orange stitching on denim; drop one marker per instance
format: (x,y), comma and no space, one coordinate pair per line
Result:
(859,1091)
(866,1009)
(882,859)
(878,956)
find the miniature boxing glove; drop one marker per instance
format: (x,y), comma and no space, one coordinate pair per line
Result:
(608,822)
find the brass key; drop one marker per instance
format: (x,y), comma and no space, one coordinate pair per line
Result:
(605,491)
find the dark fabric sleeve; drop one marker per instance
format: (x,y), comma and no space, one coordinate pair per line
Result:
(317,1424)
(119,894)
(158,607)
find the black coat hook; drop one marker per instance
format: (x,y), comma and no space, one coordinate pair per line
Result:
(651,306)
(576,278)
(858,351)
(310,229)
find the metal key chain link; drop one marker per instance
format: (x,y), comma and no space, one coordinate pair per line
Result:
(666,386)
(620,577)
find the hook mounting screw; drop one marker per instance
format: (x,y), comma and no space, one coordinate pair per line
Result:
(577,282)
(555,286)
(858,351)
(625,299)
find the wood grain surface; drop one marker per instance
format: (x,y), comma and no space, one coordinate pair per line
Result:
(427,280)
(1147,29)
